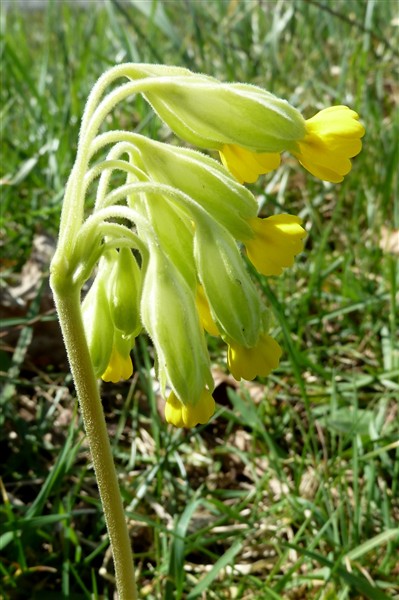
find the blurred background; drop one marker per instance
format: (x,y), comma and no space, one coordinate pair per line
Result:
(291,491)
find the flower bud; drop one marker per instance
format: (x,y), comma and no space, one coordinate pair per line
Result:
(233,299)
(97,321)
(124,290)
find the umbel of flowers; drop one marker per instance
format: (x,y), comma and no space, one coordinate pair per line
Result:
(165,244)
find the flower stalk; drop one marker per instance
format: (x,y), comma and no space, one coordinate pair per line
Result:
(86,385)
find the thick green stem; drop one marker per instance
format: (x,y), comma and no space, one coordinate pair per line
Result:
(67,299)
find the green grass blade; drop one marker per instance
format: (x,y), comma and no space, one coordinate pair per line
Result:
(220,564)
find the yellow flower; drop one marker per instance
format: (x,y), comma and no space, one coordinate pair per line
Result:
(277,240)
(245,165)
(248,363)
(187,415)
(119,367)
(332,138)
(204,312)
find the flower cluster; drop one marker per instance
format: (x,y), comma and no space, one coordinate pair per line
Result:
(167,242)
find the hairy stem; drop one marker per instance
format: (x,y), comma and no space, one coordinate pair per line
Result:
(67,299)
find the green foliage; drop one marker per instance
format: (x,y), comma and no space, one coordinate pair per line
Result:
(292,490)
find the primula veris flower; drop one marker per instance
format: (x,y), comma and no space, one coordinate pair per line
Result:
(120,364)
(258,361)
(275,243)
(241,120)
(245,165)
(187,415)
(333,137)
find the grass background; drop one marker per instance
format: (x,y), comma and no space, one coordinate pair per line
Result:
(292,490)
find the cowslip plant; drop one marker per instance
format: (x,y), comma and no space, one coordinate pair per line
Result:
(163,248)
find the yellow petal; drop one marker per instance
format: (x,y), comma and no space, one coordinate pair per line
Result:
(333,137)
(259,361)
(173,411)
(186,415)
(204,312)
(338,121)
(245,165)
(277,240)
(119,367)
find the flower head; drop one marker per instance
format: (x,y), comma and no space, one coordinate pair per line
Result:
(276,241)
(257,361)
(187,215)
(333,137)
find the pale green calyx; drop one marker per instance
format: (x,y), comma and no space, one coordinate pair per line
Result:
(211,114)
(233,299)
(202,178)
(97,319)
(174,232)
(170,317)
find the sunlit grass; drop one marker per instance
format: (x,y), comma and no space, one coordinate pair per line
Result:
(292,490)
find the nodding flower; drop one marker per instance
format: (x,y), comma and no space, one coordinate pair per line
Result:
(258,361)
(333,137)
(275,243)
(181,414)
